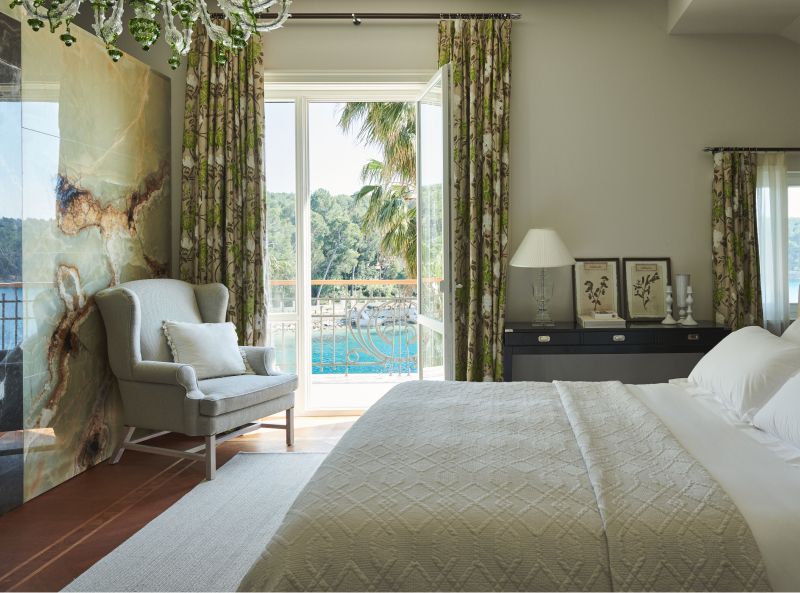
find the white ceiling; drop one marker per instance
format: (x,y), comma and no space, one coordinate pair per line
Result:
(759,17)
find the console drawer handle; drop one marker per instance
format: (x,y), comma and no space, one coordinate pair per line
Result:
(544,339)
(619,338)
(693,337)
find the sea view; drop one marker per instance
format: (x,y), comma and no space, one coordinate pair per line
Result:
(337,352)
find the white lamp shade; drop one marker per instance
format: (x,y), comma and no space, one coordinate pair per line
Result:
(542,248)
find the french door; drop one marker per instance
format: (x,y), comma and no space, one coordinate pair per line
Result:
(434,271)
(350,334)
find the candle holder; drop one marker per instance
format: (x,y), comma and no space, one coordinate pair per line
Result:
(681,284)
(689,320)
(669,319)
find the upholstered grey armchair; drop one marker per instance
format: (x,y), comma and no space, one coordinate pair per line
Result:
(161,395)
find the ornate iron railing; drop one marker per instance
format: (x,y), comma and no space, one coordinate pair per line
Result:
(357,326)
(364,334)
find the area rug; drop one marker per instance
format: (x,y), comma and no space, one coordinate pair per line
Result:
(208,540)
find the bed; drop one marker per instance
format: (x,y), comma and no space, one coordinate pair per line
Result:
(533,486)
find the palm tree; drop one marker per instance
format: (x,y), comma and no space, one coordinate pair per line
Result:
(391,208)
(389,185)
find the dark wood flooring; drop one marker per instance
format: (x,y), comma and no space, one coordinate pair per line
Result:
(50,540)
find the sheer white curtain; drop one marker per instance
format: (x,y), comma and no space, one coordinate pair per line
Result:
(773,243)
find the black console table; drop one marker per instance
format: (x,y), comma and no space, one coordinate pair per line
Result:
(552,345)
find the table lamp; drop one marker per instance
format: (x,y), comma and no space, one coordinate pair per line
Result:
(542,249)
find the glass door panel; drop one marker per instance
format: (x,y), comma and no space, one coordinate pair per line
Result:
(433,229)
(362,298)
(280,182)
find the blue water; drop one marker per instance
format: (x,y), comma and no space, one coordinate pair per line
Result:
(794,285)
(400,345)
(10,329)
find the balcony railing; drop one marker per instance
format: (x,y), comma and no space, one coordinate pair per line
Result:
(357,327)
(10,316)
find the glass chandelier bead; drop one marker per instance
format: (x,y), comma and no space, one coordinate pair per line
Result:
(220,54)
(143,26)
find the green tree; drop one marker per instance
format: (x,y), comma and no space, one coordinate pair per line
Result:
(337,238)
(10,250)
(390,185)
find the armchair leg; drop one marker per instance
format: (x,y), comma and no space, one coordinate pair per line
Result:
(290,427)
(117,455)
(211,457)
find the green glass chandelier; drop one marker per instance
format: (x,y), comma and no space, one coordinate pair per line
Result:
(178,18)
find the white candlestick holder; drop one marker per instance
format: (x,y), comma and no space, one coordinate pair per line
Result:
(669,319)
(681,284)
(689,320)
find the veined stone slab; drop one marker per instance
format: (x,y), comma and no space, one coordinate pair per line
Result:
(95,141)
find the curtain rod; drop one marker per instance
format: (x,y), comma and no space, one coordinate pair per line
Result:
(356,17)
(749,149)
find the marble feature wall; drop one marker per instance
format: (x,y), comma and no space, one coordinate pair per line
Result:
(95,148)
(11,435)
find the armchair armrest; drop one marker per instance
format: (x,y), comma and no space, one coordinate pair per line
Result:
(168,373)
(262,359)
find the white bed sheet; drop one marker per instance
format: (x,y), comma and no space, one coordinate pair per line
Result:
(759,472)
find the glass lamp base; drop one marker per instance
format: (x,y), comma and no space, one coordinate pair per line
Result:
(542,293)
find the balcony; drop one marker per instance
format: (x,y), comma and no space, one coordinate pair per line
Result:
(363,336)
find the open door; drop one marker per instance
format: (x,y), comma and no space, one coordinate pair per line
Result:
(434,272)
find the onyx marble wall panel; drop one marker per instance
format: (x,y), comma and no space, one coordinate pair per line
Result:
(11,407)
(94,169)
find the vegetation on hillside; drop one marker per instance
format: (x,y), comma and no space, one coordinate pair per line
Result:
(10,250)
(340,249)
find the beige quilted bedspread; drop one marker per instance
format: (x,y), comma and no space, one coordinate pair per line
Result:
(517,487)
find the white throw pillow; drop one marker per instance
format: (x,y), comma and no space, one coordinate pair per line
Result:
(793,332)
(211,348)
(745,369)
(781,414)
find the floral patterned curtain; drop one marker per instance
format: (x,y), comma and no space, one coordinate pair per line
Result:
(736,277)
(223,219)
(480,54)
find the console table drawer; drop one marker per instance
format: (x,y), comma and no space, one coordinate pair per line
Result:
(688,337)
(617,338)
(542,338)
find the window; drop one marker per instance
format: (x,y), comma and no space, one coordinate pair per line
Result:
(793,180)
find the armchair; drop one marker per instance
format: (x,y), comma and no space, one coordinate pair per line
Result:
(160,395)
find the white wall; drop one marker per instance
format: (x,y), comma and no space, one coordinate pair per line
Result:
(609,116)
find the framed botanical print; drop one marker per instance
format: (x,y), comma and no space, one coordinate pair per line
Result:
(645,280)
(596,286)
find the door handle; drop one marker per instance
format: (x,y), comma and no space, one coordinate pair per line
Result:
(693,337)
(544,339)
(619,338)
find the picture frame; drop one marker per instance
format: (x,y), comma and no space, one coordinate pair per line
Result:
(645,280)
(596,285)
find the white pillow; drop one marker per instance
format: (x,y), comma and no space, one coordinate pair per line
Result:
(211,348)
(781,414)
(745,369)
(793,332)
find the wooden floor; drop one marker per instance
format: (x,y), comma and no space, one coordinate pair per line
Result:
(47,542)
